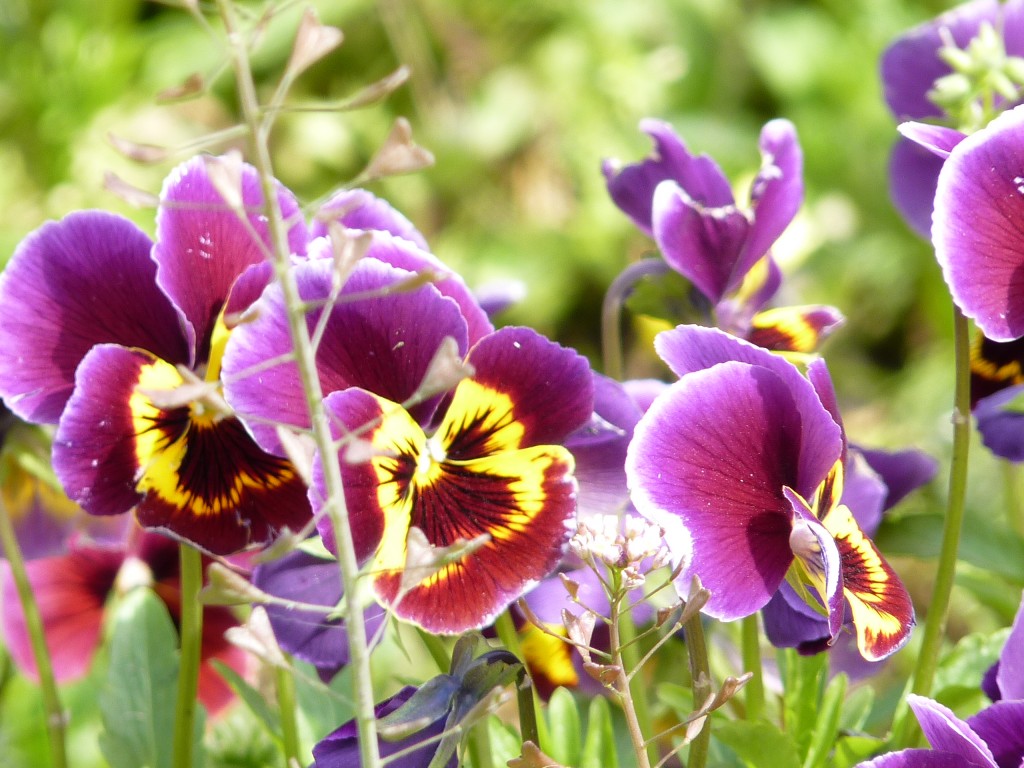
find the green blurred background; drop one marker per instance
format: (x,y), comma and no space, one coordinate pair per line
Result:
(520,101)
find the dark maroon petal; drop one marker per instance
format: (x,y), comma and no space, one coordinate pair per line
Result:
(1001,726)
(70,591)
(690,348)
(202,246)
(375,339)
(979,206)
(70,285)
(777,192)
(551,387)
(708,463)
(911,65)
(913,174)
(948,733)
(359,209)
(632,187)
(703,244)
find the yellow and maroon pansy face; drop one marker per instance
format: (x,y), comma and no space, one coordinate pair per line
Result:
(793,329)
(995,365)
(493,467)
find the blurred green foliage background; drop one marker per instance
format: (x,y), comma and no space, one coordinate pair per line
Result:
(520,101)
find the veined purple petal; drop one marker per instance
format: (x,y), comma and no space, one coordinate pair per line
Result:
(919,758)
(377,337)
(777,192)
(72,284)
(979,204)
(864,492)
(359,209)
(708,463)
(1010,674)
(632,187)
(690,348)
(913,174)
(948,733)
(911,65)
(202,246)
(1001,727)
(1001,425)
(70,591)
(703,244)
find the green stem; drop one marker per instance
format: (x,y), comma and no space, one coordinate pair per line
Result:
(905,731)
(622,685)
(305,359)
(700,677)
(289,725)
(530,725)
(55,720)
(437,649)
(754,689)
(190,628)
(611,312)
(631,663)
(1012,497)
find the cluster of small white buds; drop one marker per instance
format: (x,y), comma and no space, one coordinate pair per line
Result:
(628,544)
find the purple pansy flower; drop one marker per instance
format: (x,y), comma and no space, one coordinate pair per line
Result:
(741,463)
(909,68)
(993,738)
(1005,678)
(97,324)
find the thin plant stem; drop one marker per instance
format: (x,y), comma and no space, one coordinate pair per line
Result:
(636,735)
(56,724)
(1012,496)
(305,359)
(700,680)
(754,689)
(611,312)
(905,731)
(529,724)
(289,725)
(632,662)
(190,627)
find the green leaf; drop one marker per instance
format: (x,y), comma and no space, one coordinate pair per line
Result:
(759,744)
(564,727)
(804,678)
(599,745)
(851,750)
(856,708)
(828,723)
(137,699)
(254,700)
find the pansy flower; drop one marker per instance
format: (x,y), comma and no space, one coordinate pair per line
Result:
(685,203)
(112,336)
(910,68)
(72,590)
(741,462)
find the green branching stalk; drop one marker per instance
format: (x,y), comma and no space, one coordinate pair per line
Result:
(751,644)
(700,675)
(289,724)
(905,732)
(55,720)
(636,734)
(529,725)
(305,357)
(632,662)
(191,631)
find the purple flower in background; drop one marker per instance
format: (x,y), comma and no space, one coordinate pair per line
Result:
(97,325)
(909,68)
(993,738)
(741,463)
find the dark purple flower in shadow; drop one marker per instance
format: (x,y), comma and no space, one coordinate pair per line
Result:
(1005,678)
(994,738)
(741,463)
(909,68)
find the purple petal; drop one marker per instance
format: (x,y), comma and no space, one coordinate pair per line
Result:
(911,65)
(777,192)
(978,205)
(305,634)
(901,471)
(913,174)
(919,758)
(632,187)
(789,622)
(814,546)
(1001,423)
(1010,676)
(690,348)
(708,463)
(381,341)
(1001,726)
(359,209)
(202,246)
(70,591)
(70,285)
(864,492)
(937,139)
(705,245)
(948,733)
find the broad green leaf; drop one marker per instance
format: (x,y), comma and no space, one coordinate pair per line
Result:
(506,743)
(564,727)
(851,750)
(759,744)
(137,699)
(599,745)
(803,677)
(828,723)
